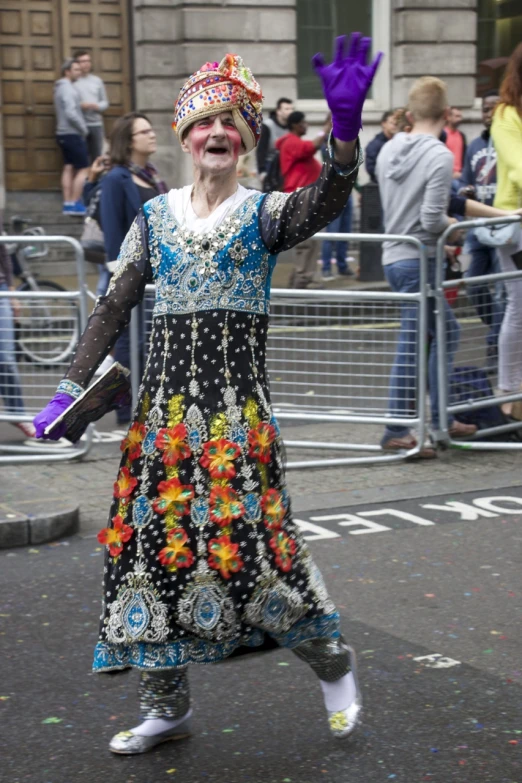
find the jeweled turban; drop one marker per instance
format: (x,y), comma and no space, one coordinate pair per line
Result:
(216,87)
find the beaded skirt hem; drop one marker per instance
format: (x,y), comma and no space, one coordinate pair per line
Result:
(173,655)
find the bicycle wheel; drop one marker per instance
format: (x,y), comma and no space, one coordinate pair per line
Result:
(47,330)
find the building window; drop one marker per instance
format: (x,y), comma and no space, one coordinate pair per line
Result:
(318,22)
(499,32)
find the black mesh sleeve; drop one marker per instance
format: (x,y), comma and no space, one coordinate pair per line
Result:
(289,218)
(112,311)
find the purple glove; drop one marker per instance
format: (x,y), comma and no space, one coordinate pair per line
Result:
(59,403)
(346,82)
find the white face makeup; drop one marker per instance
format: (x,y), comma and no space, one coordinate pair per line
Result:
(214,143)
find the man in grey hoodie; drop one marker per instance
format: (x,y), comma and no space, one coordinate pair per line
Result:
(71,132)
(414,171)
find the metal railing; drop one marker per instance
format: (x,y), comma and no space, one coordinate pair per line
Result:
(479,311)
(330,355)
(44,332)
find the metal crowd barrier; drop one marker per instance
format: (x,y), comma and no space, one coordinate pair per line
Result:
(330,354)
(46,331)
(477,306)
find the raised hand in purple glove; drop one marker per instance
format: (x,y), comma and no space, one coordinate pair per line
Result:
(59,403)
(346,82)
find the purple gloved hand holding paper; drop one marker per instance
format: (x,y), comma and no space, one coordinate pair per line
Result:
(59,403)
(346,82)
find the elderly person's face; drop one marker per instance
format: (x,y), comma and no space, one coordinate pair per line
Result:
(214,143)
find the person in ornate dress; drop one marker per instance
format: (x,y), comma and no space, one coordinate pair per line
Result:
(203,557)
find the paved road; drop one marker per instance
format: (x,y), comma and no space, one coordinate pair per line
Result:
(434,611)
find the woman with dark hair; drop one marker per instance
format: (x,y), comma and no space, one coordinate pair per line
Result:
(506,132)
(130,183)
(204,557)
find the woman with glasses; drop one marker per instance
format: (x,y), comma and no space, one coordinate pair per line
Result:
(131,182)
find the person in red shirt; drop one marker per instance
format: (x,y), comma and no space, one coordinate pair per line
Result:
(299,168)
(455,140)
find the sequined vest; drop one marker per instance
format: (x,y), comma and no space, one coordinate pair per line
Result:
(227,268)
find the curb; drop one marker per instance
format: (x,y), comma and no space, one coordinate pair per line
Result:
(497,480)
(18,529)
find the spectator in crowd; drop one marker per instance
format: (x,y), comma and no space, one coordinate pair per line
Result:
(479,181)
(402,122)
(338,251)
(131,182)
(342,224)
(71,132)
(389,128)
(455,140)
(299,168)
(414,172)
(506,132)
(275,126)
(94,102)
(10,386)
(91,199)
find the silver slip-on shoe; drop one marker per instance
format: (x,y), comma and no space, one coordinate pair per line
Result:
(129,744)
(344,722)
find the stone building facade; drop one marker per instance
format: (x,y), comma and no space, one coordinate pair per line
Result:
(171,39)
(155,44)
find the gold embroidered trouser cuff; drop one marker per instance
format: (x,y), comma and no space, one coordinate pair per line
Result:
(329,658)
(164,694)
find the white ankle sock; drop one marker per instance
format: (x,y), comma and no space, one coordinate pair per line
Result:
(340,694)
(156,725)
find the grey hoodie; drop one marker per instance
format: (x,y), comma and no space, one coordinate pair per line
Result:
(69,116)
(414,173)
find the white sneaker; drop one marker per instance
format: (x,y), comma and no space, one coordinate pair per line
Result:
(104,366)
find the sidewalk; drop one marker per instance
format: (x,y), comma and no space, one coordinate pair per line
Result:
(35,492)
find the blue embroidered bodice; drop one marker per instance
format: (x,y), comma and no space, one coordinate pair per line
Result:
(228,267)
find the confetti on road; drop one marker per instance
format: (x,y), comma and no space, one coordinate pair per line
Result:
(228,731)
(4,698)
(52,720)
(171,771)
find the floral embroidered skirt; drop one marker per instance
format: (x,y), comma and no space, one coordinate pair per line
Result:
(202,554)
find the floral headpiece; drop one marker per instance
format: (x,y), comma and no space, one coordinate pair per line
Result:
(225,86)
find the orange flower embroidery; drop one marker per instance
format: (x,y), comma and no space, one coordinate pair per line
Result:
(132,443)
(173,496)
(273,509)
(284,548)
(225,505)
(176,554)
(124,484)
(218,457)
(173,444)
(114,537)
(260,439)
(224,557)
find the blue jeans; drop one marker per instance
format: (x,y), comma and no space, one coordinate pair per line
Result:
(341,225)
(490,309)
(404,277)
(10,386)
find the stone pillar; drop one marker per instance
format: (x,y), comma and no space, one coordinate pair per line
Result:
(435,40)
(172,38)
(2,169)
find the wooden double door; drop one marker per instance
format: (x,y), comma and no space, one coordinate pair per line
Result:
(35,37)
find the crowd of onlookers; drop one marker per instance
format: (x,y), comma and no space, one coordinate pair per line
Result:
(427,175)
